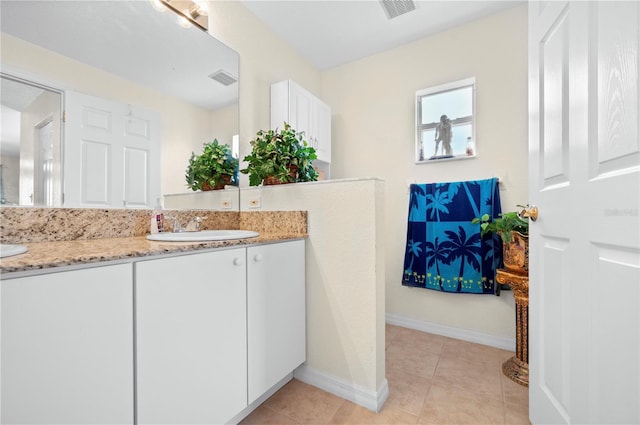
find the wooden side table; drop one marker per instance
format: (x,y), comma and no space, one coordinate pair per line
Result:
(517,367)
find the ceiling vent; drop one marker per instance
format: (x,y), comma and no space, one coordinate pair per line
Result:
(395,8)
(223,77)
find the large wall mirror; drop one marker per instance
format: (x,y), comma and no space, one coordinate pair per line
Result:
(125,54)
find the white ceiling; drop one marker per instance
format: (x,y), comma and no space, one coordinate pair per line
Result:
(329,33)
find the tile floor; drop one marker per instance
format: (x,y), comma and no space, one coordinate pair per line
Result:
(432,380)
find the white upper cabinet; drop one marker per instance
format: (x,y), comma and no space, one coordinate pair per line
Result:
(304,112)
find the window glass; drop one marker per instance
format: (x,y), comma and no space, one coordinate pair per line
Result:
(445,122)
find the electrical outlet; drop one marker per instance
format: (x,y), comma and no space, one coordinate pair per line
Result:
(225,203)
(255,202)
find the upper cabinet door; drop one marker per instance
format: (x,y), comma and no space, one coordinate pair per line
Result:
(111,154)
(322,136)
(305,113)
(67,347)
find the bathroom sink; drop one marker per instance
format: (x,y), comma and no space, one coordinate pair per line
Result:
(7,250)
(202,236)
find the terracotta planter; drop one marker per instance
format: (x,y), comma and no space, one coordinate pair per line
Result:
(226,179)
(270,180)
(516,254)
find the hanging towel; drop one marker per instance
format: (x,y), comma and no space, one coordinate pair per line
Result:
(444,249)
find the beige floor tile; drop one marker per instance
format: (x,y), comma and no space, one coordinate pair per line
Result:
(422,341)
(353,414)
(447,405)
(266,416)
(432,380)
(392,332)
(516,402)
(406,390)
(304,403)
(411,359)
(477,377)
(472,353)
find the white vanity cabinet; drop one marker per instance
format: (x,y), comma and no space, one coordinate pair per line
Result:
(188,339)
(191,338)
(275,313)
(67,347)
(293,104)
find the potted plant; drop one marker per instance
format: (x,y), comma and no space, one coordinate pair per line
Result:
(514,233)
(280,156)
(213,169)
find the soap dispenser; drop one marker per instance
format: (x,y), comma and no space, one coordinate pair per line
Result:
(157,218)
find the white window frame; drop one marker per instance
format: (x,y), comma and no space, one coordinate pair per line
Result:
(455,121)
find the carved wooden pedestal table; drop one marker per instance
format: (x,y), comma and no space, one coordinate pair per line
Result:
(517,367)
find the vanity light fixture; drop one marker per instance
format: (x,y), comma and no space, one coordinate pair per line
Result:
(190,12)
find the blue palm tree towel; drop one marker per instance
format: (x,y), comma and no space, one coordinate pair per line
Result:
(444,249)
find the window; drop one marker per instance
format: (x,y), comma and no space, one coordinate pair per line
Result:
(445,125)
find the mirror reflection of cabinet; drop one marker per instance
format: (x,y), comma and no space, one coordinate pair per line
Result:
(306,113)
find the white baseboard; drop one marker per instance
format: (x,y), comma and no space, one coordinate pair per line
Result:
(372,400)
(452,332)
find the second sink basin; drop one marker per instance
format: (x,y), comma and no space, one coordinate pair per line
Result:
(202,236)
(8,250)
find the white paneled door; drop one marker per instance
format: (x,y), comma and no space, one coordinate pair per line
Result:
(111,153)
(584,169)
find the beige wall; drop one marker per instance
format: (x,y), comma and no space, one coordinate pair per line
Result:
(373,129)
(264,60)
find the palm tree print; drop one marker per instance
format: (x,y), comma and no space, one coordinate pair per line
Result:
(436,253)
(416,190)
(468,250)
(415,250)
(437,203)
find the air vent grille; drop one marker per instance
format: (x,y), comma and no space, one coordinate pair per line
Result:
(395,8)
(223,77)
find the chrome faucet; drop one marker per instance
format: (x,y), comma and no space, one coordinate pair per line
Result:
(192,226)
(175,227)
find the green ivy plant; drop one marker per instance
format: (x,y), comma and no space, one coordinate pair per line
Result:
(213,167)
(504,225)
(274,152)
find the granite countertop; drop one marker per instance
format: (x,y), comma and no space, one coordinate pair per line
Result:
(49,255)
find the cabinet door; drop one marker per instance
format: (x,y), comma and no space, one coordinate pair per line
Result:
(191,338)
(301,111)
(322,134)
(276,313)
(67,347)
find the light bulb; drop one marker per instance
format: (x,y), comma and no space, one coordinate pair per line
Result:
(158,5)
(184,22)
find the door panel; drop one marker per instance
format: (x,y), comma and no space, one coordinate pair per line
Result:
(136,177)
(555,102)
(616,308)
(96,173)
